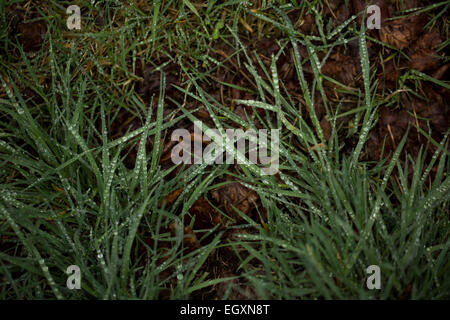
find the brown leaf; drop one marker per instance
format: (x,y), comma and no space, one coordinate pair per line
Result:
(171,197)
(326,128)
(31,35)
(400,33)
(396,35)
(151,79)
(307,24)
(440,73)
(425,56)
(190,240)
(235,195)
(205,216)
(341,68)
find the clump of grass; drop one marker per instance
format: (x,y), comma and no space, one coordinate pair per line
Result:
(67,198)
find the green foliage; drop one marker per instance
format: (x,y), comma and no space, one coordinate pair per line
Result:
(67,198)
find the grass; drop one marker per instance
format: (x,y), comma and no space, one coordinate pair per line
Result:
(67,197)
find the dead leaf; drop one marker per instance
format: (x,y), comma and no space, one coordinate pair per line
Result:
(235,195)
(425,56)
(31,35)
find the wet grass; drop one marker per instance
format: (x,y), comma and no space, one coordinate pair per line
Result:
(69,197)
